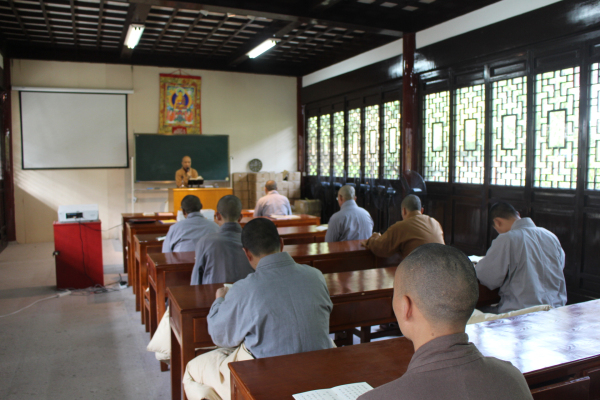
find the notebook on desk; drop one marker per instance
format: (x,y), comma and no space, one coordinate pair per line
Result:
(278,216)
(343,392)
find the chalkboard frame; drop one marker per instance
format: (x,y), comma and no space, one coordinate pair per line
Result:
(135,163)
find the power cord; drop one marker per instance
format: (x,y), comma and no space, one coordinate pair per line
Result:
(59,294)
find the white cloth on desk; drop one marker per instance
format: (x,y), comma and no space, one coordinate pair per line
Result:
(160,343)
(207,376)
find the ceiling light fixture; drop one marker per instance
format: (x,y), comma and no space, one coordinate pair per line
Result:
(134,33)
(261,48)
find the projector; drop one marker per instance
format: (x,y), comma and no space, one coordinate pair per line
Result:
(76,213)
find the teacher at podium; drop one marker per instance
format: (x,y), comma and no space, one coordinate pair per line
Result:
(185,173)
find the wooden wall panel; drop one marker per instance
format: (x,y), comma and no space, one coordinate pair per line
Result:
(466,227)
(591,245)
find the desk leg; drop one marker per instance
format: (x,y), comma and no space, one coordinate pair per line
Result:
(124,243)
(139,296)
(177,368)
(153,311)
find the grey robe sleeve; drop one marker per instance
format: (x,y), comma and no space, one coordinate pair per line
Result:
(198,270)
(258,210)
(167,245)
(226,319)
(492,270)
(332,230)
(289,208)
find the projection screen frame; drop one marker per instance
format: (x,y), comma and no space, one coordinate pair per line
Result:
(75,91)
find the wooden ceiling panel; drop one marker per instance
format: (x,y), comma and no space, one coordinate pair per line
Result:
(216,34)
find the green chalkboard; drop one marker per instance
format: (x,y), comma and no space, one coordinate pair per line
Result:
(157,157)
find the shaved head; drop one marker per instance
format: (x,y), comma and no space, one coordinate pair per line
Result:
(230,208)
(347,192)
(271,185)
(411,203)
(441,281)
(186,158)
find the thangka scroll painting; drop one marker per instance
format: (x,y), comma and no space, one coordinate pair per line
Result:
(179,105)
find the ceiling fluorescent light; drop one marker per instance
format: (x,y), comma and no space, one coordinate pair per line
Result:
(133,35)
(264,46)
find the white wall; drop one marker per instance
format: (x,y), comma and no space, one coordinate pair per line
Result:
(469,22)
(258,112)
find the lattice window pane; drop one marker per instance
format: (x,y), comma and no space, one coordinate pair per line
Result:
(312,158)
(556,129)
(391,126)
(469,135)
(354,125)
(338,144)
(437,137)
(324,143)
(509,132)
(372,142)
(594,136)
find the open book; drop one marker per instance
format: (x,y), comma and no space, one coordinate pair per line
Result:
(323,227)
(475,259)
(343,392)
(278,216)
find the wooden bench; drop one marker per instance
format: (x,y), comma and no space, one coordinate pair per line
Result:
(560,344)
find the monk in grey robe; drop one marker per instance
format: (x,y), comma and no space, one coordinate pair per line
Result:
(525,261)
(272,202)
(351,222)
(435,292)
(282,308)
(184,235)
(219,259)
(219,256)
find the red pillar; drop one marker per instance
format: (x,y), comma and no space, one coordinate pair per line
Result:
(410,145)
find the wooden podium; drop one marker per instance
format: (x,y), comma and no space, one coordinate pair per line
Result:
(208,196)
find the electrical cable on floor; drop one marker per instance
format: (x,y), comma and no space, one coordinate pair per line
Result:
(62,294)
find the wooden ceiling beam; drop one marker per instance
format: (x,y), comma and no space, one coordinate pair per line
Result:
(209,34)
(137,14)
(237,32)
(164,29)
(74,26)
(45,14)
(100,16)
(191,28)
(221,6)
(18,17)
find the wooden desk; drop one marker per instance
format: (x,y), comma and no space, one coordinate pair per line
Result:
(301,234)
(209,197)
(247,213)
(144,244)
(132,229)
(304,219)
(556,344)
(338,256)
(166,269)
(126,217)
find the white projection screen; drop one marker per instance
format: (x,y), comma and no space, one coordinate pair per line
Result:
(73,130)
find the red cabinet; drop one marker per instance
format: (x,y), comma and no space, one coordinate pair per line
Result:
(78,254)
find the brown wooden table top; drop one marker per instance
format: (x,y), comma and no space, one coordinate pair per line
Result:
(295,230)
(192,298)
(353,282)
(141,215)
(171,259)
(315,249)
(283,232)
(304,219)
(145,238)
(538,344)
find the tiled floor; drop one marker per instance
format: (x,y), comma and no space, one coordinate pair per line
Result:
(73,347)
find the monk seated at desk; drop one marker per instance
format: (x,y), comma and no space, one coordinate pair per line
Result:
(184,235)
(435,292)
(282,308)
(351,222)
(272,202)
(525,261)
(219,259)
(403,237)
